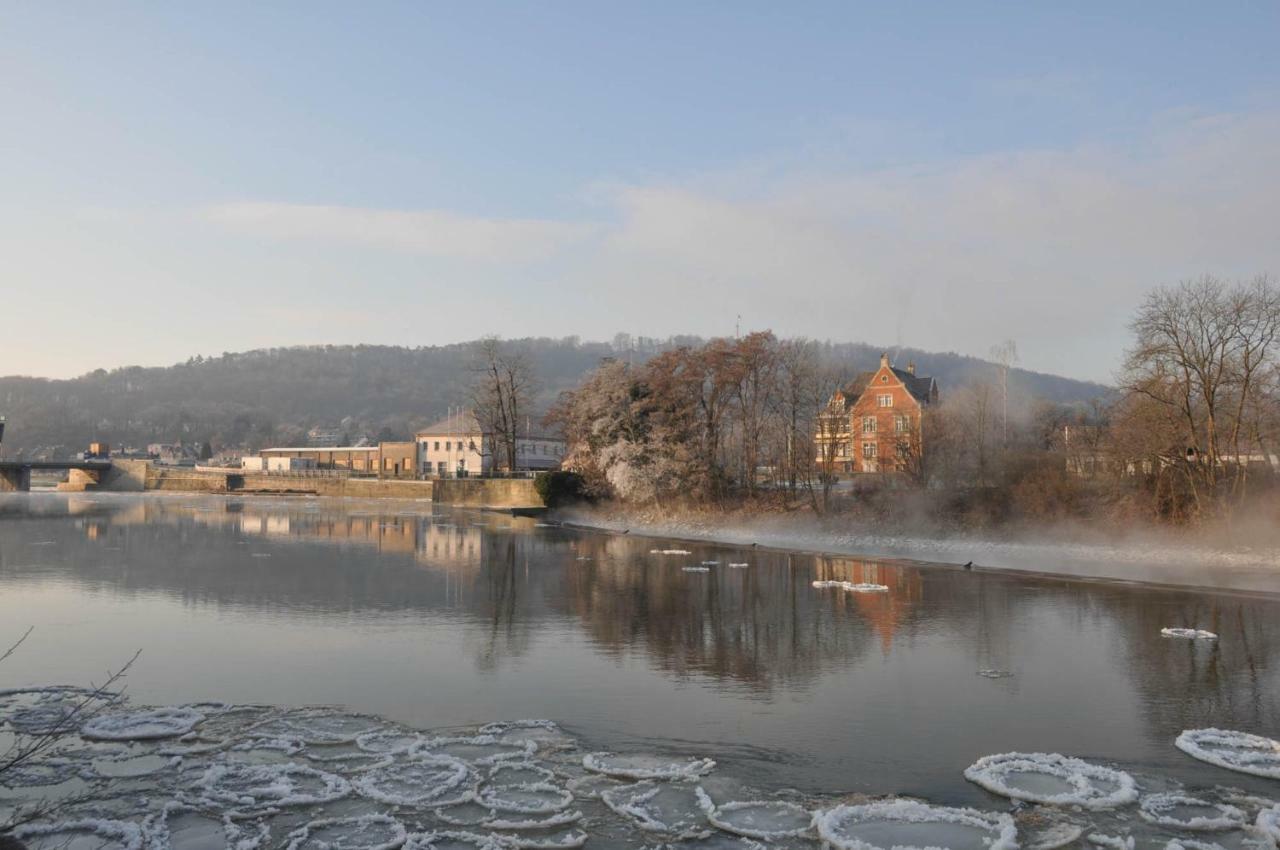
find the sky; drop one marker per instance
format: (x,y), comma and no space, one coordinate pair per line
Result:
(179,179)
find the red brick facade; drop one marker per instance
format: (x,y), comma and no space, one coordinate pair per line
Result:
(885,411)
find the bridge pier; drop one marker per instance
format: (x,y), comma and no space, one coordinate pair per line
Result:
(80,480)
(15,479)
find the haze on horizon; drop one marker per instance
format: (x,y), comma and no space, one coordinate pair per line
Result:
(927,175)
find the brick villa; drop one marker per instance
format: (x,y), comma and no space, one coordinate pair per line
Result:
(873,425)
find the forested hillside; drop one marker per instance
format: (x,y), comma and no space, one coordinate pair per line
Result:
(273,396)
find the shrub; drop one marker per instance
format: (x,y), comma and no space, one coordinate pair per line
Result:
(560,488)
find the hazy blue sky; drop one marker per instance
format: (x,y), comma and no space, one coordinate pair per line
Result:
(179,179)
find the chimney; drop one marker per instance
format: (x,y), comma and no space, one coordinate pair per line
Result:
(911,368)
(884,361)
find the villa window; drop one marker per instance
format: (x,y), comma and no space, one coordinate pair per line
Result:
(870,450)
(885,400)
(868,424)
(902,424)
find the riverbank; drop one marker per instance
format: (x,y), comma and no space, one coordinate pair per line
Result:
(1146,555)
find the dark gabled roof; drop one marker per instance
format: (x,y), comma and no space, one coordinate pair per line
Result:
(919,386)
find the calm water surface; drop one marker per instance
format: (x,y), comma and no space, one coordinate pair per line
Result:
(435,617)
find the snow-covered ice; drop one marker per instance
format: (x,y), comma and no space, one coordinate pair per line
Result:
(1054,779)
(738,566)
(671,809)
(852,587)
(1239,751)
(567,839)
(762,819)
(519,773)
(252,777)
(511,822)
(696,569)
(475,749)
(904,824)
(639,766)
(1192,634)
(454,839)
(317,726)
(167,722)
(670,552)
(1111,842)
(535,798)
(1268,822)
(247,786)
(387,741)
(366,832)
(1180,811)
(432,780)
(86,834)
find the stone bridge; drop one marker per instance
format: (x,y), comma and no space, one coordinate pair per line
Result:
(15,475)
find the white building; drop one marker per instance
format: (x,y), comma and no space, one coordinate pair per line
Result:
(457,447)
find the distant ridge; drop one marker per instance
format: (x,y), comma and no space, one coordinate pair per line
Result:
(275,395)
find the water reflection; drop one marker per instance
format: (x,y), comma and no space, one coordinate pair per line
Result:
(515,617)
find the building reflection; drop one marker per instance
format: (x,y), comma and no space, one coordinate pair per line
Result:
(760,629)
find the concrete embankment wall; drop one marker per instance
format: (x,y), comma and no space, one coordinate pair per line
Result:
(488,492)
(470,492)
(189,480)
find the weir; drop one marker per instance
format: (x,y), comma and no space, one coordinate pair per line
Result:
(15,475)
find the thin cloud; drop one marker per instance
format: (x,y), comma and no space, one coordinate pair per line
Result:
(1052,247)
(435,233)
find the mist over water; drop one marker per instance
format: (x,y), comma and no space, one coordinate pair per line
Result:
(437,618)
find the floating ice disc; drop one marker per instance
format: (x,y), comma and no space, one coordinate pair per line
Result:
(1237,751)
(1192,634)
(1182,812)
(448,839)
(534,798)
(422,781)
(532,822)
(141,725)
(387,741)
(368,832)
(93,834)
(646,766)
(762,819)
(1053,778)
(1269,822)
(41,774)
(568,839)
(853,587)
(243,784)
(907,824)
(316,726)
(519,773)
(478,749)
(673,810)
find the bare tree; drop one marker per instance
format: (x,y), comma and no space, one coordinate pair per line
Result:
(501,391)
(754,390)
(81,705)
(798,370)
(832,433)
(1202,349)
(1004,355)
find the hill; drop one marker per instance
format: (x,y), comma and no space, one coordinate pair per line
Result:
(273,396)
